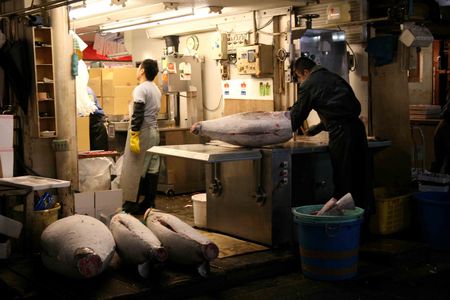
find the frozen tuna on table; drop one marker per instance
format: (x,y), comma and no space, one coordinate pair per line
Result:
(77,246)
(185,244)
(135,242)
(249,129)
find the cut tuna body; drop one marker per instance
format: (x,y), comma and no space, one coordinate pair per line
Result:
(185,244)
(77,246)
(135,242)
(249,129)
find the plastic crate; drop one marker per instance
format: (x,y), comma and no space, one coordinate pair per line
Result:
(393,210)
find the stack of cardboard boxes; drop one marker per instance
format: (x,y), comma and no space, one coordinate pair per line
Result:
(99,204)
(114,88)
(9,228)
(6,146)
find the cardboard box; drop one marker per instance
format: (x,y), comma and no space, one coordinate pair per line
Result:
(117,77)
(120,76)
(85,203)
(5,248)
(110,89)
(123,91)
(96,85)
(83,142)
(6,131)
(10,227)
(107,203)
(107,88)
(116,105)
(6,162)
(95,73)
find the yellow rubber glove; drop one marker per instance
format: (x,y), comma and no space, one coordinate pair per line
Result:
(134,141)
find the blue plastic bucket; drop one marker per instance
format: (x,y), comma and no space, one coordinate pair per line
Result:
(434,216)
(328,245)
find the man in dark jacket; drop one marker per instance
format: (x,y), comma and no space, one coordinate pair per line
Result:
(441,163)
(338,108)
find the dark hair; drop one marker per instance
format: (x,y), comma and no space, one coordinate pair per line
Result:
(304,63)
(150,67)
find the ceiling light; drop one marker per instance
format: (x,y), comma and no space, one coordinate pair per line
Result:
(180,15)
(92,8)
(119,2)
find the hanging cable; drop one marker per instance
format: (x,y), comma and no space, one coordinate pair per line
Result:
(216,108)
(255,30)
(353,68)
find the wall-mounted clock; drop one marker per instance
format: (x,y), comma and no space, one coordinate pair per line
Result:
(192,42)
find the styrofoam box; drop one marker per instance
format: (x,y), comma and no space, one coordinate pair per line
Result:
(7,161)
(6,131)
(10,227)
(85,203)
(5,249)
(107,203)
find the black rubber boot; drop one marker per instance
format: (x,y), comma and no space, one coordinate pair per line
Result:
(150,186)
(134,207)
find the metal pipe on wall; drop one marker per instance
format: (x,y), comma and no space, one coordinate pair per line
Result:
(277,73)
(66,161)
(37,8)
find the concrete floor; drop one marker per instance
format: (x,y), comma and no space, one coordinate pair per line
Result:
(394,267)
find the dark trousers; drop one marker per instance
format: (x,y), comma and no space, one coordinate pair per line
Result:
(351,165)
(98,137)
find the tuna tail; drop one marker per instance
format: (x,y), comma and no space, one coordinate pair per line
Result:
(203,269)
(210,251)
(160,254)
(287,114)
(88,262)
(196,128)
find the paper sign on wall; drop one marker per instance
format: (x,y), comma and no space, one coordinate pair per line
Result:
(185,71)
(254,89)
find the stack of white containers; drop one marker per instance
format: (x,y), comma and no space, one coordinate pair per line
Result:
(6,145)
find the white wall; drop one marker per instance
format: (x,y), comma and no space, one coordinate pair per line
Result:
(142,47)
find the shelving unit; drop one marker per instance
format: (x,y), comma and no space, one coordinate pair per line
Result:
(44,74)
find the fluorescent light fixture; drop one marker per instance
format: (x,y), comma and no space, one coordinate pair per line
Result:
(92,8)
(152,18)
(159,19)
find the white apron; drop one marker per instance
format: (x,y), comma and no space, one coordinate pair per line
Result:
(136,165)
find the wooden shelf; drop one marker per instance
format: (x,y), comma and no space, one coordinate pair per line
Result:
(45,108)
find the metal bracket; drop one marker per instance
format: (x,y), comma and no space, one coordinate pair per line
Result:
(215,187)
(260,193)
